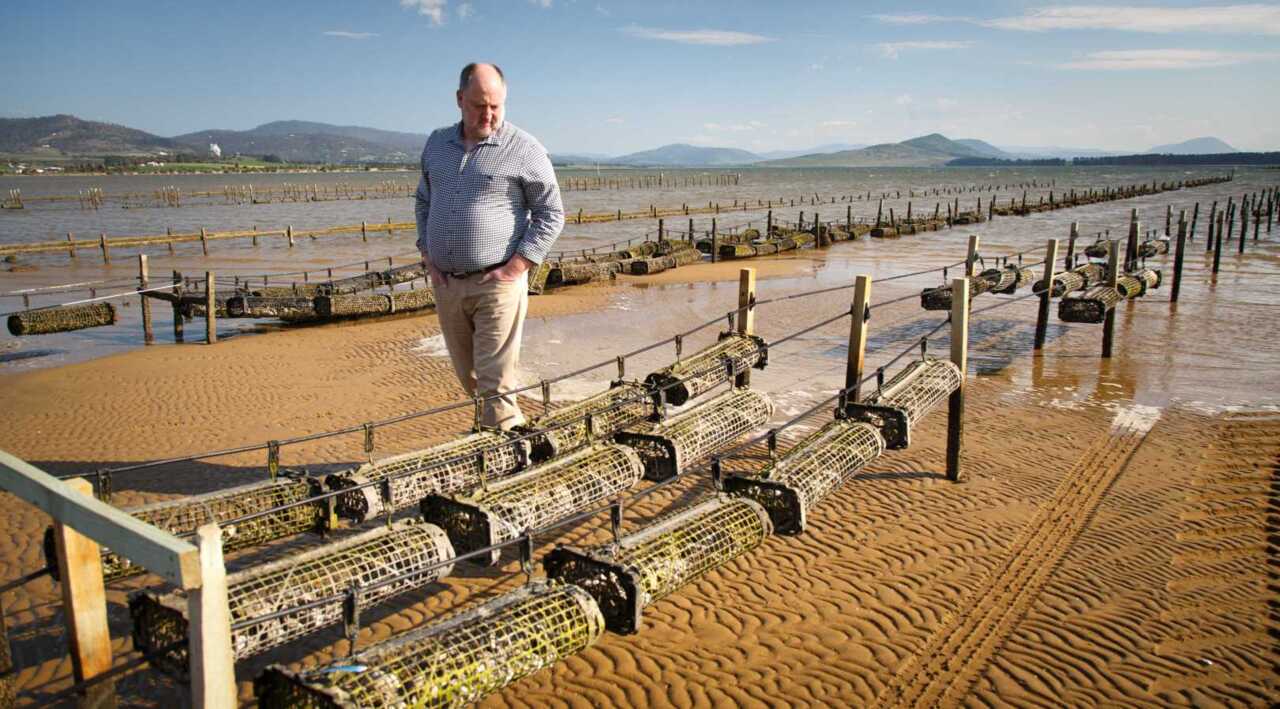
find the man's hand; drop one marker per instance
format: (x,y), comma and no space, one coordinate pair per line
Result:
(437,276)
(508,271)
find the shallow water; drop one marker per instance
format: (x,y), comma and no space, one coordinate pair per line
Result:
(1223,336)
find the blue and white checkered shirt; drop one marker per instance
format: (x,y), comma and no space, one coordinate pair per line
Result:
(478,209)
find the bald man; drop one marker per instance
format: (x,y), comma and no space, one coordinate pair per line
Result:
(488,209)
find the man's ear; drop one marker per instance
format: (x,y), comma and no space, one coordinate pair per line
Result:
(458,94)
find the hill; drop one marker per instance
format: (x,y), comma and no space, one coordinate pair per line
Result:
(305,141)
(684,155)
(933,150)
(1195,146)
(68,135)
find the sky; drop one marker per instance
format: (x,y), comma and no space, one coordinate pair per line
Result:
(611,77)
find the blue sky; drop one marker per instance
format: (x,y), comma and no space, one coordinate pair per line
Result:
(612,77)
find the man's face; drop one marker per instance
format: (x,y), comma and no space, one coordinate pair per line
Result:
(482,104)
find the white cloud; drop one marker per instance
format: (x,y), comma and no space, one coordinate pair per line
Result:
(903,100)
(466,10)
(601,9)
(891,50)
(349,35)
(945,103)
(915,18)
(544,4)
(715,38)
(1252,18)
(434,9)
(734,127)
(1227,19)
(1130,59)
(817,67)
(615,120)
(837,124)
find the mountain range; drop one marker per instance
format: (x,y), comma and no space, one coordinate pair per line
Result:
(312,142)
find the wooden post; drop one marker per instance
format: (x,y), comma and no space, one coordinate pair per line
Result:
(1195,217)
(971,259)
(1042,318)
(71,246)
(1131,245)
(106,249)
(959,357)
(1217,246)
(1069,262)
(288,231)
(768,229)
(848,220)
(1231,219)
(1213,212)
(1177,261)
(661,231)
(857,338)
(1109,321)
(143,282)
(213,669)
(1244,221)
(715,241)
(177,308)
(364,230)
(746,318)
(879,211)
(204,241)
(84,604)
(210,311)
(1168,219)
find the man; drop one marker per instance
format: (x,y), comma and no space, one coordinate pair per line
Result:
(488,210)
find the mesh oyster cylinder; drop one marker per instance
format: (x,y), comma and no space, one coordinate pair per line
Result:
(533,499)
(909,396)
(812,469)
(565,428)
(63,318)
(385,554)
(403,480)
(650,564)
(667,448)
(734,354)
(183,516)
(451,663)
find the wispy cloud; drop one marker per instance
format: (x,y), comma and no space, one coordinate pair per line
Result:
(1220,19)
(433,9)
(916,18)
(466,10)
(837,124)
(734,127)
(544,4)
(615,120)
(903,100)
(344,34)
(1227,19)
(891,50)
(715,38)
(1131,59)
(602,10)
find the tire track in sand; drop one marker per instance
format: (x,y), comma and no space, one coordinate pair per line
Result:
(944,670)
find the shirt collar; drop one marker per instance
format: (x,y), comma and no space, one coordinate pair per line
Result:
(498,137)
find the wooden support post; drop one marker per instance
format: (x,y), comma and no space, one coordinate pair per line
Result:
(71,246)
(1168,219)
(148,336)
(768,228)
(971,258)
(106,248)
(1109,321)
(288,231)
(213,668)
(746,318)
(204,241)
(1231,219)
(1042,318)
(84,604)
(1217,246)
(661,231)
(364,230)
(960,357)
(848,220)
(210,311)
(715,241)
(1195,217)
(1069,262)
(1213,212)
(857,338)
(1131,245)
(177,308)
(1177,261)
(1244,222)
(880,212)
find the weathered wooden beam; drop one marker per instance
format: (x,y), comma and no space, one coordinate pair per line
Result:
(858,337)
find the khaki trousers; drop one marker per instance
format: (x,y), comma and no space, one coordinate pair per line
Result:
(482,324)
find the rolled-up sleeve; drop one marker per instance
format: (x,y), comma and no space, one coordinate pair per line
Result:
(422,205)
(546,211)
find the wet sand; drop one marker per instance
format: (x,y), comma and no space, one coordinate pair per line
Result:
(1113,542)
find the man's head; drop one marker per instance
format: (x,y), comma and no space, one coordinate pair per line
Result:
(482,91)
